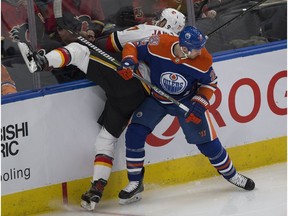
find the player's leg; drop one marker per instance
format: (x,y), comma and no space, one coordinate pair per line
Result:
(205,138)
(145,118)
(103,162)
(220,159)
(113,123)
(73,53)
(135,155)
(114,119)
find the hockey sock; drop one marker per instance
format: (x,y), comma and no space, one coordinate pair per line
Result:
(218,157)
(135,152)
(102,167)
(58,58)
(104,148)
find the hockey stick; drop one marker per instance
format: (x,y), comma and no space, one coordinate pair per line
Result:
(156,89)
(234,18)
(113,63)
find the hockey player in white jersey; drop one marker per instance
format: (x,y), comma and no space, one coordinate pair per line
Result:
(122,97)
(170,19)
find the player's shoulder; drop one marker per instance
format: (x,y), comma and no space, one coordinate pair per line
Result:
(202,63)
(160,45)
(162,41)
(168,38)
(206,56)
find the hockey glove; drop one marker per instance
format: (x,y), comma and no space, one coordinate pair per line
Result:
(20,33)
(197,108)
(127,67)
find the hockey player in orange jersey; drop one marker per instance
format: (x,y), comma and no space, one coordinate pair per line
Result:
(183,68)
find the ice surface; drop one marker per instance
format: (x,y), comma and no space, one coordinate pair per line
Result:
(208,197)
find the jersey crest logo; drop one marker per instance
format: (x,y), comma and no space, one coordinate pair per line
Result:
(173,83)
(154,40)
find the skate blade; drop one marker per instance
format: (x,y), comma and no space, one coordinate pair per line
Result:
(135,198)
(26,54)
(88,206)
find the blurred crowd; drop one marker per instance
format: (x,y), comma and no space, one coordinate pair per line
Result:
(96,19)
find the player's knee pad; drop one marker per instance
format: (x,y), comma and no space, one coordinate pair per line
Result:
(136,135)
(105,143)
(210,149)
(79,55)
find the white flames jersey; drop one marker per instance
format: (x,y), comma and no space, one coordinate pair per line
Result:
(118,39)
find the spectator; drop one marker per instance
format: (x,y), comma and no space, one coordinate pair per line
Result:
(144,10)
(14,23)
(85,17)
(81,17)
(202,9)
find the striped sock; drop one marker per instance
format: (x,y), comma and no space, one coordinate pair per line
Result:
(218,157)
(58,58)
(134,162)
(102,167)
(223,164)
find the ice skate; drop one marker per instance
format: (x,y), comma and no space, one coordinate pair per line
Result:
(35,61)
(90,198)
(242,181)
(132,192)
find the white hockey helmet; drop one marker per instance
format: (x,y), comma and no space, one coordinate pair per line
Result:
(175,20)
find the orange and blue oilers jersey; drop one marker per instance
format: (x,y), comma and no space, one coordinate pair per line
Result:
(179,77)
